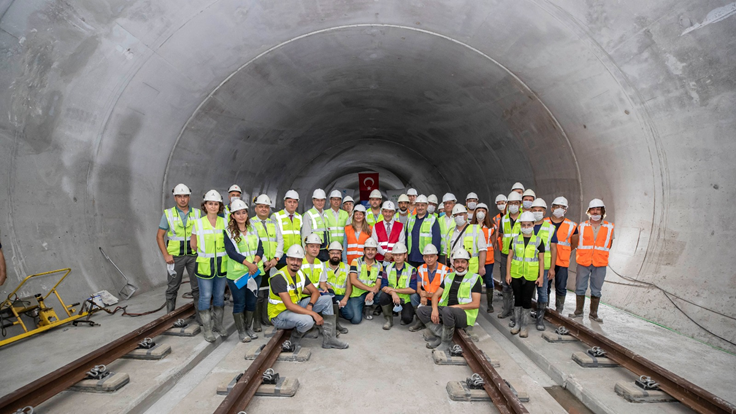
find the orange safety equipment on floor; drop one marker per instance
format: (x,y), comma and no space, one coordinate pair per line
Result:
(488,234)
(596,251)
(355,244)
(439,276)
(564,234)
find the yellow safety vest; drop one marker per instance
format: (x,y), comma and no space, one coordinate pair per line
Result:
(275,304)
(404,279)
(371,219)
(292,231)
(313,271)
(464,294)
(337,280)
(470,243)
(425,232)
(525,262)
(267,236)
(364,277)
(178,244)
(248,247)
(211,255)
(336,227)
(509,232)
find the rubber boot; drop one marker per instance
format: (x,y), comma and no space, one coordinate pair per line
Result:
(417,326)
(170,305)
(541,308)
(435,335)
(197,318)
(524,322)
(388,316)
(579,304)
(517,315)
(507,309)
(296,337)
(264,314)
(206,318)
(447,333)
(249,315)
(514,317)
(239,319)
(312,333)
(559,303)
(218,313)
(257,316)
(594,301)
(336,310)
(489,301)
(328,330)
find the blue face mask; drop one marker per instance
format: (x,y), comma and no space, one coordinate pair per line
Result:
(398,308)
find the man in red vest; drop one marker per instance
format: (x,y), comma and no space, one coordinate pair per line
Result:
(387,232)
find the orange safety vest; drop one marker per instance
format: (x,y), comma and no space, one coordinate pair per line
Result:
(496,224)
(355,245)
(596,251)
(564,234)
(488,234)
(439,276)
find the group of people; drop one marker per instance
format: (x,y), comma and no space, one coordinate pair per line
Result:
(422,262)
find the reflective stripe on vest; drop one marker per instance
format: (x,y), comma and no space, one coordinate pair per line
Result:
(593,251)
(364,277)
(564,248)
(267,236)
(250,241)
(213,258)
(337,280)
(509,232)
(309,270)
(425,232)
(403,281)
(439,276)
(387,241)
(318,223)
(291,231)
(546,231)
(178,234)
(336,226)
(525,262)
(464,294)
(275,304)
(355,244)
(371,219)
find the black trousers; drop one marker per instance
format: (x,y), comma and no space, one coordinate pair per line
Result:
(523,292)
(407,311)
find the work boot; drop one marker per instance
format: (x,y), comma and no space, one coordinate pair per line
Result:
(328,330)
(417,326)
(517,315)
(579,304)
(524,321)
(388,316)
(377,310)
(542,306)
(489,301)
(218,313)
(559,303)
(506,311)
(336,310)
(239,319)
(447,334)
(265,321)
(470,330)
(435,335)
(257,316)
(249,315)
(594,301)
(206,318)
(312,333)
(197,318)
(170,305)
(296,337)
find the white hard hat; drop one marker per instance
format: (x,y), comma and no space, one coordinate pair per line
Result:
(388,205)
(449,197)
(181,189)
(238,205)
(263,200)
(212,195)
(560,201)
(375,194)
(313,239)
(234,187)
(482,205)
(459,209)
(433,199)
(335,245)
(529,192)
(501,197)
(596,202)
(292,195)
(471,195)
(421,199)
(411,191)
(403,198)
(336,194)
(348,199)
(527,216)
(514,196)
(360,208)
(517,186)
(399,248)
(319,194)
(295,252)
(370,242)
(460,254)
(538,202)
(430,249)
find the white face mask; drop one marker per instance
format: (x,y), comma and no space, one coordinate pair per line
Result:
(527,204)
(234,198)
(596,217)
(538,215)
(559,212)
(513,209)
(480,215)
(459,220)
(472,204)
(527,230)
(500,207)
(462,273)
(430,209)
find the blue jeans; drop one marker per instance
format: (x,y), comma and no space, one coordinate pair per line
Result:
(489,278)
(243,299)
(353,311)
(560,282)
(542,291)
(596,275)
(302,323)
(211,290)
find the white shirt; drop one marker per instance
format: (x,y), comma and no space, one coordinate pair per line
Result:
(480,241)
(374,236)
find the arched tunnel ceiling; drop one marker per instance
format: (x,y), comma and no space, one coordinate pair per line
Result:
(109,103)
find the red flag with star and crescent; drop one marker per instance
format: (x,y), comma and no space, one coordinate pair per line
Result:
(368,182)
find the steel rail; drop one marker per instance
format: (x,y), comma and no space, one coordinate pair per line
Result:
(501,395)
(42,389)
(245,389)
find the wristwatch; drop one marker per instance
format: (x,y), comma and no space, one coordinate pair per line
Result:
(310,303)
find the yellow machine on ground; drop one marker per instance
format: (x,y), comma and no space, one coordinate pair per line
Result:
(34,306)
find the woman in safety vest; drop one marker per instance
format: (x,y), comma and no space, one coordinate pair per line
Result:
(524,271)
(245,251)
(484,219)
(208,240)
(356,233)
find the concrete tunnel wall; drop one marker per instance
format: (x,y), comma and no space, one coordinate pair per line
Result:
(110,103)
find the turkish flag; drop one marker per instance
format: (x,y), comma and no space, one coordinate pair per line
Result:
(368,182)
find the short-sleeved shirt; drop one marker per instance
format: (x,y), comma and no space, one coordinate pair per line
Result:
(452,296)
(554,235)
(278,284)
(164,223)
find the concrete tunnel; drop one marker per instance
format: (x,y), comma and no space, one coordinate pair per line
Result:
(108,104)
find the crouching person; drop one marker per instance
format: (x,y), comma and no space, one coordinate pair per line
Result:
(365,282)
(455,304)
(287,309)
(397,287)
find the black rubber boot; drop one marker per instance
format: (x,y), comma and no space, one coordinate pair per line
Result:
(579,305)
(249,317)
(559,303)
(541,308)
(170,305)
(239,319)
(594,301)
(206,317)
(389,317)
